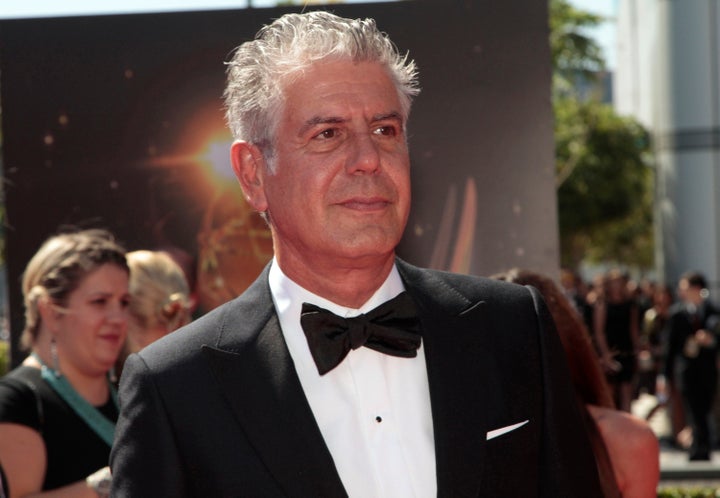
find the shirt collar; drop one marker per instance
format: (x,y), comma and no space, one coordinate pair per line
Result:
(288,296)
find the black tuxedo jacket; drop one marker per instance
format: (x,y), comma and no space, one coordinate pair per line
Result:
(216,409)
(696,374)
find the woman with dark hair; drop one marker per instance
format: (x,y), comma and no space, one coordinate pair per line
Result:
(58,408)
(626,450)
(616,324)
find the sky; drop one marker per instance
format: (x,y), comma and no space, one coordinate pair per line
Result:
(52,8)
(605,33)
(12,9)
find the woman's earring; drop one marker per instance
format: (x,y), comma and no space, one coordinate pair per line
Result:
(54,358)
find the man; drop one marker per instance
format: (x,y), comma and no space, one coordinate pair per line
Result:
(462,389)
(691,364)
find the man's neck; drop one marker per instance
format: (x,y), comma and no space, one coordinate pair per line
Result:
(348,285)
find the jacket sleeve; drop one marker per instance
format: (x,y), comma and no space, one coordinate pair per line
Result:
(144,459)
(567,468)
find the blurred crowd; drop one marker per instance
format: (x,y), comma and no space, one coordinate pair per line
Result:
(656,340)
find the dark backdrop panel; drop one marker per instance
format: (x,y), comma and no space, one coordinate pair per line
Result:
(117,121)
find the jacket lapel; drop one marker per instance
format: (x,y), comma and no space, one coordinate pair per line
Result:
(252,364)
(456,358)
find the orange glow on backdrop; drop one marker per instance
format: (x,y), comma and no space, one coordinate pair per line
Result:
(234,243)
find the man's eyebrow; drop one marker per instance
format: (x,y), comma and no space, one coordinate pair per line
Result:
(389,115)
(318,120)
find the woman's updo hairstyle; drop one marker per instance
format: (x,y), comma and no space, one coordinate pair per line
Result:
(159,292)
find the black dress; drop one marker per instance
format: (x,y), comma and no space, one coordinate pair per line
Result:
(619,339)
(74,451)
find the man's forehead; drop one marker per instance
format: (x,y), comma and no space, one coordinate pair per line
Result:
(323,94)
(328,72)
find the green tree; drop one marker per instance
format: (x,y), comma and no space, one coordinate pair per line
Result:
(574,54)
(604,184)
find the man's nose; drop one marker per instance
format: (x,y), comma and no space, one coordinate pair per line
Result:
(364,156)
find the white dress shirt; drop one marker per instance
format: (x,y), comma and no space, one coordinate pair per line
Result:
(373,409)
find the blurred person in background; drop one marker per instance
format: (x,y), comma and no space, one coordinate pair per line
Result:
(58,408)
(160,300)
(616,332)
(691,361)
(644,291)
(626,449)
(653,347)
(576,291)
(652,338)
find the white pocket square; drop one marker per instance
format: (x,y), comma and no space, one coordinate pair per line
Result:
(504,430)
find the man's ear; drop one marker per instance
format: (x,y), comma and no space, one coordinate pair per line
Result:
(248,164)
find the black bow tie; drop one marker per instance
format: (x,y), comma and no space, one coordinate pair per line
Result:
(391,328)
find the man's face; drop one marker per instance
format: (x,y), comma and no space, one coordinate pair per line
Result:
(689,293)
(340,190)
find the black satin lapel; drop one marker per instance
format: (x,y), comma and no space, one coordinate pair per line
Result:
(455,331)
(265,393)
(456,366)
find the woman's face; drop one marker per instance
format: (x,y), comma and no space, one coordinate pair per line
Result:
(91,330)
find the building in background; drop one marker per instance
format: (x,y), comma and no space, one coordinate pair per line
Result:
(668,77)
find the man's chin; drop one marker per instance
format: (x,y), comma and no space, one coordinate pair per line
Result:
(371,253)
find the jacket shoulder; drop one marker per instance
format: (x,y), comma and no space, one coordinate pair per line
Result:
(233,322)
(468,287)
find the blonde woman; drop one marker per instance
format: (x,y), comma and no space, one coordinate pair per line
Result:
(58,408)
(160,299)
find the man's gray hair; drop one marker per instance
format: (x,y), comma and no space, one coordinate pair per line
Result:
(259,68)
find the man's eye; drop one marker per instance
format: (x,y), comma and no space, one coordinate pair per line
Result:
(327,134)
(386,131)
